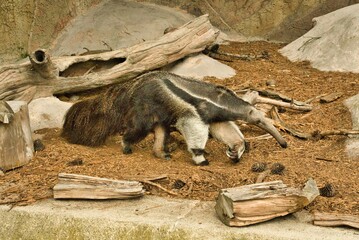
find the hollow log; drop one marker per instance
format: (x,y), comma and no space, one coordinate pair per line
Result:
(44,75)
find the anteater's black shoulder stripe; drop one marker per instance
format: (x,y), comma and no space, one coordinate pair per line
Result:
(181,93)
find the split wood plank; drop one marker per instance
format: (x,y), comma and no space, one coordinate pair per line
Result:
(74,186)
(255,203)
(16,145)
(334,219)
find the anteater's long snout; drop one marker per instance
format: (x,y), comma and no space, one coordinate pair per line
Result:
(257,118)
(266,125)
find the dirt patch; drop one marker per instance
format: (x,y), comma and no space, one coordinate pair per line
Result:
(302,159)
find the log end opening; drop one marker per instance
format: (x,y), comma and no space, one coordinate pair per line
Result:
(91,66)
(40,56)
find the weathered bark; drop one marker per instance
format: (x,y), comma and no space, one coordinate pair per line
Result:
(42,76)
(6,113)
(261,202)
(73,186)
(16,145)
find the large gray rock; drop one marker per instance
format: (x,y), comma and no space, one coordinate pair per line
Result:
(47,113)
(30,24)
(352,146)
(200,66)
(118,24)
(333,43)
(274,20)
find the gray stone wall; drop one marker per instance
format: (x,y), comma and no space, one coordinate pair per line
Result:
(274,20)
(30,24)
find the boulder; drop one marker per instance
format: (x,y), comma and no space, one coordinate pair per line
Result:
(47,112)
(332,44)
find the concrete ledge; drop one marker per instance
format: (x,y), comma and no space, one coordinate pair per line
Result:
(147,218)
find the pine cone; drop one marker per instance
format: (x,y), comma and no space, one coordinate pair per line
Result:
(259,167)
(38,145)
(277,168)
(178,184)
(327,190)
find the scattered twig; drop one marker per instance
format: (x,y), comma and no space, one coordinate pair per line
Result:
(345,132)
(206,170)
(146,178)
(326,159)
(330,97)
(291,105)
(276,99)
(310,100)
(261,137)
(263,175)
(315,135)
(230,57)
(278,121)
(158,186)
(90,70)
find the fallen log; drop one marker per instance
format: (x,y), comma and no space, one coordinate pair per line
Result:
(334,219)
(16,145)
(44,76)
(74,186)
(255,203)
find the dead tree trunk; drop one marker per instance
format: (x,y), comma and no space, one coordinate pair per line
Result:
(43,76)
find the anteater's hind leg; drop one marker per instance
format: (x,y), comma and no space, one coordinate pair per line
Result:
(229,133)
(160,145)
(195,132)
(132,136)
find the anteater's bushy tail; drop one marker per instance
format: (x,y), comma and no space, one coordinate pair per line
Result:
(90,122)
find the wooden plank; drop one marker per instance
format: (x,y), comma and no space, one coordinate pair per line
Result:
(335,219)
(74,186)
(250,204)
(16,145)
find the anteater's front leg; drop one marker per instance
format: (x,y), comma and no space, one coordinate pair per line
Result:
(195,132)
(229,133)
